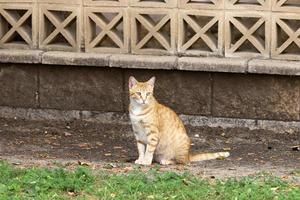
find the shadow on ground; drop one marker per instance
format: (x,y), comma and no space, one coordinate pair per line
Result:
(26,142)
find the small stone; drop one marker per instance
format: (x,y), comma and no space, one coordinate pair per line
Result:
(296,148)
(67,134)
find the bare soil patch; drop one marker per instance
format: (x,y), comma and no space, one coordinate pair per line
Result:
(27,143)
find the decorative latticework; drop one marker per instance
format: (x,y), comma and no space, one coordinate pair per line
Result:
(286,36)
(17,26)
(286,5)
(202,4)
(106,2)
(59,28)
(247,34)
(228,28)
(248,4)
(154,3)
(107,30)
(153,31)
(200,32)
(65,2)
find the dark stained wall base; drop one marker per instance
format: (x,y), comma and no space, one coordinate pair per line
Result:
(249,96)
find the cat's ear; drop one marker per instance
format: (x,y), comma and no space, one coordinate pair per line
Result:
(151,81)
(132,82)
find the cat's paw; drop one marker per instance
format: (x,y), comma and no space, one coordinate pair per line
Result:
(138,161)
(224,154)
(143,162)
(167,162)
(146,162)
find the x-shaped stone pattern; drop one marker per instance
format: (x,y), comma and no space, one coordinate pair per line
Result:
(60,28)
(201,32)
(286,5)
(293,34)
(106,2)
(168,45)
(247,34)
(119,37)
(154,3)
(17,25)
(261,2)
(250,4)
(210,4)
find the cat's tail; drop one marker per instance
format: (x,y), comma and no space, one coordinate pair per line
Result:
(208,156)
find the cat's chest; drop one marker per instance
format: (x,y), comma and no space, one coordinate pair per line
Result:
(139,129)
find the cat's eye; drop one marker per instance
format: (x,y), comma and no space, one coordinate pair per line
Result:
(138,93)
(148,93)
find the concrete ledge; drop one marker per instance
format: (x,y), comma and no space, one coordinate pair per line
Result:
(143,61)
(122,118)
(79,59)
(205,64)
(20,56)
(213,64)
(279,67)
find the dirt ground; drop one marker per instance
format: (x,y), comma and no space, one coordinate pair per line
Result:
(112,147)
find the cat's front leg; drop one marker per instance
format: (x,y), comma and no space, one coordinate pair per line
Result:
(141,149)
(150,149)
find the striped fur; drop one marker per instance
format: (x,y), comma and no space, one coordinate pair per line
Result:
(159,132)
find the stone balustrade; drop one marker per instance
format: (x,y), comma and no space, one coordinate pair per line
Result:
(223,28)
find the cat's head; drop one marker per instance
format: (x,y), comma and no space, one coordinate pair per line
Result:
(141,92)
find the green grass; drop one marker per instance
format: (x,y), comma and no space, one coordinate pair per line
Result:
(83,183)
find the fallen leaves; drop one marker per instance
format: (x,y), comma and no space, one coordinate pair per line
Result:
(83,163)
(84,145)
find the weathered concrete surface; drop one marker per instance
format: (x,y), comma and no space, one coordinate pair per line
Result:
(143,62)
(280,67)
(100,89)
(129,61)
(39,114)
(18,86)
(81,88)
(72,58)
(213,64)
(20,56)
(255,96)
(185,92)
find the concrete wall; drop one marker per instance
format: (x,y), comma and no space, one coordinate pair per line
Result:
(251,96)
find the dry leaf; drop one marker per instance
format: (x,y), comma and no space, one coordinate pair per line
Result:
(99,143)
(84,163)
(67,134)
(84,146)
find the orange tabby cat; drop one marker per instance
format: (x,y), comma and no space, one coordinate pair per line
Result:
(159,132)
